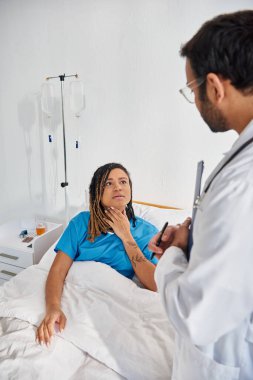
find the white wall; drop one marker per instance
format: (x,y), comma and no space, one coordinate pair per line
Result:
(126,52)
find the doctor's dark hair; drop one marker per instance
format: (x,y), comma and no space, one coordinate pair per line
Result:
(224,46)
(97,224)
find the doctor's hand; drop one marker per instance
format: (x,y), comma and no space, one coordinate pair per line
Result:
(180,237)
(173,236)
(46,329)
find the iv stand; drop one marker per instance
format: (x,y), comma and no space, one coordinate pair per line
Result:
(65,183)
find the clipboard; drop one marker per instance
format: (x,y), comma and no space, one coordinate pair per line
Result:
(200,169)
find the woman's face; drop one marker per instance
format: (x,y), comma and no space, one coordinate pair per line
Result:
(117,191)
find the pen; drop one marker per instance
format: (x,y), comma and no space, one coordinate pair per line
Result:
(160,238)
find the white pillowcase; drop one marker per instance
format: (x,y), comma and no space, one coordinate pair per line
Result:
(158,216)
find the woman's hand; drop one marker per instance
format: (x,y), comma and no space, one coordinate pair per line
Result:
(46,329)
(119,222)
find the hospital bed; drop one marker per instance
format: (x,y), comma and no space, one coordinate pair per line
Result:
(115,328)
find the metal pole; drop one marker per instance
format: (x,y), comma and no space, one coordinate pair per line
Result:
(63,184)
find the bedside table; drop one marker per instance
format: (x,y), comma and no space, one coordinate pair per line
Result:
(16,255)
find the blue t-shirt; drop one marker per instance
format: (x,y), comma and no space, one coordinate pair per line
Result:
(106,248)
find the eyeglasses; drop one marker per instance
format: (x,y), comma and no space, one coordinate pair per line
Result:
(188,92)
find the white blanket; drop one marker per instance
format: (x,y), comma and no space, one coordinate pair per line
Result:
(21,358)
(108,316)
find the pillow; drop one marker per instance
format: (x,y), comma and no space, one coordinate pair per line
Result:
(48,258)
(158,216)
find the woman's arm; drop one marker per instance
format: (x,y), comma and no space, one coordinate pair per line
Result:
(142,267)
(54,286)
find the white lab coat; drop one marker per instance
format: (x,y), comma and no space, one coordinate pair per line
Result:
(209,300)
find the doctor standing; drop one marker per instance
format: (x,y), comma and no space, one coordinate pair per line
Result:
(209,300)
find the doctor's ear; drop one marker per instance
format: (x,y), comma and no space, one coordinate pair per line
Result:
(215,88)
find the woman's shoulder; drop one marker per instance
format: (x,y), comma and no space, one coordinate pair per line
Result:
(140,222)
(81,219)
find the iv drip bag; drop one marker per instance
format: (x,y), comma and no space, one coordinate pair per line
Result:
(47,98)
(76,96)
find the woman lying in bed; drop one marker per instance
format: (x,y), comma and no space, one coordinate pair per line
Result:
(109,233)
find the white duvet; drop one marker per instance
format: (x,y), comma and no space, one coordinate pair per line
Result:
(109,318)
